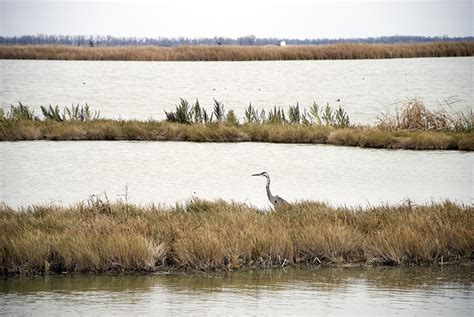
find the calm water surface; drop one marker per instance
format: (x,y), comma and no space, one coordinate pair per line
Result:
(144,89)
(428,291)
(166,172)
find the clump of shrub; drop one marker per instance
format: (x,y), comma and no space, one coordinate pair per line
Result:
(73,113)
(276,115)
(188,114)
(327,116)
(231,118)
(251,115)
(295,115)
(21,112)
(219,111)
(185,113)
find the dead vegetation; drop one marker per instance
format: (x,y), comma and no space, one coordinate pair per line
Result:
(239,53)
(413,115)
(201,235)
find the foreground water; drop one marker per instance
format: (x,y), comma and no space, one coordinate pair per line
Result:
(446,291)
(144,89)
(166,172)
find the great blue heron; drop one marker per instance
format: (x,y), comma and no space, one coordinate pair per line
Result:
(275,200)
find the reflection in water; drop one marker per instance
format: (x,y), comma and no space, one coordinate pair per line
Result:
(441,290)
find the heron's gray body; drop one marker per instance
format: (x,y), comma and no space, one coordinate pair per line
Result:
(275,200)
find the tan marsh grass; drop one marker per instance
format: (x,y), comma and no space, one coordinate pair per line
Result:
(371,137)
(413,115)
(203,235)
(239,53)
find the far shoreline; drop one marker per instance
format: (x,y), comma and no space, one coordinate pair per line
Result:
(340,51)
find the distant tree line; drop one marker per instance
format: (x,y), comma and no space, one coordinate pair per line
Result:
(108,40)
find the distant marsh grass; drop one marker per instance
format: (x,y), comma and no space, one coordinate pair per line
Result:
(99,236)
(239,53)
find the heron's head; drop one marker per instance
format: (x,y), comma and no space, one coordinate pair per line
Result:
(264,174)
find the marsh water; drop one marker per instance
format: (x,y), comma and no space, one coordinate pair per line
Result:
(143,90)
(167,172)
(427,291)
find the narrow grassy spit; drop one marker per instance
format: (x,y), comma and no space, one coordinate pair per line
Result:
(239,53)
(202,235)
(414,127)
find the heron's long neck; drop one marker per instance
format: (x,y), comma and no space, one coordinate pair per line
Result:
(269,193)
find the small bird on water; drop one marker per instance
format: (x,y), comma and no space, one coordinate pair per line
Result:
(275,200)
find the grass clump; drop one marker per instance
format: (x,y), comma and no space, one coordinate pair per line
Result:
(250,114)
(99,236)
(187,114)
(73,113)
(413,115)
(328,116)
(21,112)
(184,113)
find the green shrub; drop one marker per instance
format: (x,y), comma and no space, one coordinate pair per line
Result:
(21,112)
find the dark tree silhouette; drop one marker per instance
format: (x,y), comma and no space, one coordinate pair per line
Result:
(108,40)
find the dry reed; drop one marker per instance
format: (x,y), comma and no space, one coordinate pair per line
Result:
(239,53)
(413,115)
(203,235)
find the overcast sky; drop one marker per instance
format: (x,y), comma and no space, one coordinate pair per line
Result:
(263,18)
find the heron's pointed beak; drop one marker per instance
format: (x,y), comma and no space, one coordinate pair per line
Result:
(256,174)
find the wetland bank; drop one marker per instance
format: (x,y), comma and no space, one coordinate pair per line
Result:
(413,127)
(98,237)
